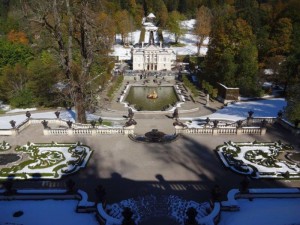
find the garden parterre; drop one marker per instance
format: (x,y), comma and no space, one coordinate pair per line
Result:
(51,161)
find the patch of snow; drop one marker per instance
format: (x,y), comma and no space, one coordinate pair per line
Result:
(46,212)
(21,110)
(42,191)
(239,110)
(268,71)
(188,24)
(264,211)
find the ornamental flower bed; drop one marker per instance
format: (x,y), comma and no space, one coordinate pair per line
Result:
(49,161)
(259,160)
(4,146)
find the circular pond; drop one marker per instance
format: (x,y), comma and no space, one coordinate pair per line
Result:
(138,96)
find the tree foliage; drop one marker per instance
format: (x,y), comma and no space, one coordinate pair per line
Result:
(173,24)
(203,25)
(77,39)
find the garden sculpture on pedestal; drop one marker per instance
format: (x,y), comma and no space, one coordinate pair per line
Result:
(45,124)
(57,113)
(93,123)
(127,215)
(216,122)
(250,114)
(69,123)
(13,123)
(28,114)
(191,214)
(250,117)
(207,120)
(175,114)
(130,113)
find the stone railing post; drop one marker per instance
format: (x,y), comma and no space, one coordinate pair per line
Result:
(263,130)
(46,131)
(238,130)
(94,132)
(215,130)
(70,131)
(14,132)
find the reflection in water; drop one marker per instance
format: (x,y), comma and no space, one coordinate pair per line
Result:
(137,97)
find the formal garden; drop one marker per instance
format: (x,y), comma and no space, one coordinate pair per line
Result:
(259,159)
(40,161)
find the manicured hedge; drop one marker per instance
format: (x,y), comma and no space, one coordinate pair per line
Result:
(190,86)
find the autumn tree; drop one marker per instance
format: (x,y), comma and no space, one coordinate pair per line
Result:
(77,40)
(173,24)
(123,24)
(232,57)
(13,86)
(17,37)
(203,25)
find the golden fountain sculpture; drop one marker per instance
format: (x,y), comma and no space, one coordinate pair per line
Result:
(152,95)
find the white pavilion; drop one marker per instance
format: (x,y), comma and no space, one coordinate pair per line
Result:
(152,55)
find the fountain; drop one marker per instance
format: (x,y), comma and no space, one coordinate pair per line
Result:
(152,95)
(144,98)
(154,136)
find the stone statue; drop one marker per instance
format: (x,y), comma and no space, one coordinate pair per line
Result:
(130,113)
(175,114)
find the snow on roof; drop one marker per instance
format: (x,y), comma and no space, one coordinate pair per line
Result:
(151,15)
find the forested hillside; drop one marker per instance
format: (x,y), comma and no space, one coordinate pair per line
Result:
(56,52)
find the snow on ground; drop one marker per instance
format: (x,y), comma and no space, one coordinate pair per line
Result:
(46,212)
(121,52)
(188,39)
(278,211)
(239,110)
(263,169)
(188,24)
(133,37)
(64,115)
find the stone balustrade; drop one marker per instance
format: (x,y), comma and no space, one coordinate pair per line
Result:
(77,129)
(221,130)
(89,131)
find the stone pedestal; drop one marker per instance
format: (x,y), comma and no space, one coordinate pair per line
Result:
(238,130)
(263,130)
(215,131)
(70,131)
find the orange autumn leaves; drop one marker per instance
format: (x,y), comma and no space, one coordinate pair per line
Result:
(17,37)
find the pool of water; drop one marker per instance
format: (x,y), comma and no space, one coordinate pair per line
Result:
(137,97)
